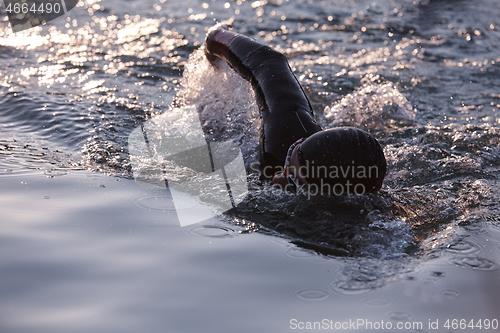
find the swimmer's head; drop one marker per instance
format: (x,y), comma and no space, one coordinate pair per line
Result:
(336,161)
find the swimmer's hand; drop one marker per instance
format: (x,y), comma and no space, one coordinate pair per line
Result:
(218,40)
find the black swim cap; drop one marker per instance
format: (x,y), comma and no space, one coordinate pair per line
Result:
(343,157)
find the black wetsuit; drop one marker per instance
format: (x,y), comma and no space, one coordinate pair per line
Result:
(286,111)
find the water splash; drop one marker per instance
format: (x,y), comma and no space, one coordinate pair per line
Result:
(225,103)
(372,107)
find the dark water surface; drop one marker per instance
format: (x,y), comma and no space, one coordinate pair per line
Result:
(84,248)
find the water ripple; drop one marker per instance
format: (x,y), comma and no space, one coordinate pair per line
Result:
(312,295)
(299,253)
(463,246)
(475,263)
(211,231)
(151,202)
(351,287)
(450,293)
(377,302)
(400,315)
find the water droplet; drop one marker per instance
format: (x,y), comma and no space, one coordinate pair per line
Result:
(377,302)
(312,295)
(46,197)
(475,263)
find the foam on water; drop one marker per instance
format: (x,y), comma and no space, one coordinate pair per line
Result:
(372,107)
(225,103)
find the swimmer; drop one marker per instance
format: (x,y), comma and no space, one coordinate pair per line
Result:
(295,152)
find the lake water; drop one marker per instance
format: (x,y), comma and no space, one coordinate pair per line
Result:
(86,248)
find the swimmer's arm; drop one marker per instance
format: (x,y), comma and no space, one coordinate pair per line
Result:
(276,88)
